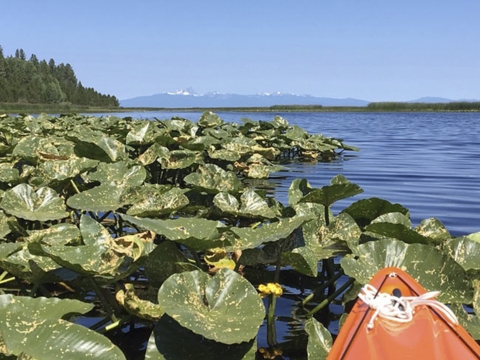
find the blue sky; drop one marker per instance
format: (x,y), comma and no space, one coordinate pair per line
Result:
(380,50)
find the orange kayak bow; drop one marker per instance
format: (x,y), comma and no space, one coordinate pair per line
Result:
(395,318)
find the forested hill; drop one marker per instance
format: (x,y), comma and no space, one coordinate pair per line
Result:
(35,81)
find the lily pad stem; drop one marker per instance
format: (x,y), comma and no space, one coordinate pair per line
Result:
(322,287)
(329,299)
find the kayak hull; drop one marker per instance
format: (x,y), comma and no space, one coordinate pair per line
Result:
(430,335)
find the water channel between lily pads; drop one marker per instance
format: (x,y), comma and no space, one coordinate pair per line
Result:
(427,162)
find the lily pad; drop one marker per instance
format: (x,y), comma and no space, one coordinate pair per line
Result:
(32,328)
(225,308)
(168,341)
(24,202)
(319,340)
(340,188)
(214,179)
(198,234)
(433,269)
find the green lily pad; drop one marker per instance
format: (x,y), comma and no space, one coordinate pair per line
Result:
(24,202)
(319,340)
(214,179)
(225,308)
(165,261)
(196,233)
(248,238)
(156,200)
(168,341)
(32,328)
(366,210)
(340,188)
(464,251)
(209,120)
(433,269)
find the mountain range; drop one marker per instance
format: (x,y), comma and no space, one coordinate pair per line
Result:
(189,99)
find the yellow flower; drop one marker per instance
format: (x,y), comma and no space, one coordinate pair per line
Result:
(270,289)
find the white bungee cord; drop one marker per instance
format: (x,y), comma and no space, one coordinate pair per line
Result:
(400,309)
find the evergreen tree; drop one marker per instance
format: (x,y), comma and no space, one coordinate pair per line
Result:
(34,81)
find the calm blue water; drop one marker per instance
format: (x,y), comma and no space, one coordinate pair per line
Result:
(428,162)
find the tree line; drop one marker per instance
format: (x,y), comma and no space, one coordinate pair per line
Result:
(35,81)
(404,106)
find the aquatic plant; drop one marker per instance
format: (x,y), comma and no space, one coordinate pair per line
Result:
(151,224)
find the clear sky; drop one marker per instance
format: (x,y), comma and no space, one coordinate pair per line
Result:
(375,50)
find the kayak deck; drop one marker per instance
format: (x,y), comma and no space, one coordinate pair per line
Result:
(430,334)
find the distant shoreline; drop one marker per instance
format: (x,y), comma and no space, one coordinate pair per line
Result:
(372,107)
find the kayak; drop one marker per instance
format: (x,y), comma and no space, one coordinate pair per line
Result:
(396,318)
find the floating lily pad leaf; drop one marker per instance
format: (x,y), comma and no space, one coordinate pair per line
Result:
(396,231)
(302,257)
(474,236)
(214,179)
(227,203)
(239,145)
(96,145)
(319,340)
(118,173)
(168,341)
(5,224)
(296,133)
(157,200)
(342,229)
(365,210)
(102,198)
(248,238)
(329,243)
(269,153)
(45,337)
(64,233)
(223,154)
(470,322)
(433,229)
(8,174)
(55,172)
(143,309)
(218,259)
(209,120)
(25,265)
(101,254)
(225,307)
(165,261)
(393,218)
(138,134)
(339,188)
(44,308)
(254,205)
(432,268)
(153,153)
(258,171)
(179,159)
(297,190)
(195,233)
(93,233)
(26,203)
(464,251)
(26,148)
(279,123)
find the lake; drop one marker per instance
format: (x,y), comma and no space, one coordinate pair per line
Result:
(427,162)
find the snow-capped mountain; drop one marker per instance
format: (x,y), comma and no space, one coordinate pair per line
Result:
(188,98)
